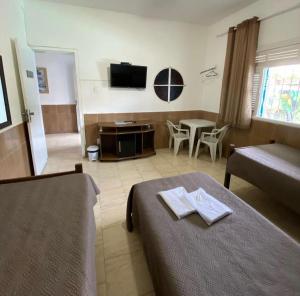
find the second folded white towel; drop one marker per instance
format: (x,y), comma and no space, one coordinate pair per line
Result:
(209,208)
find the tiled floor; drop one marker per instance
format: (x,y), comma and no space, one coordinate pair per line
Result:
(121,266)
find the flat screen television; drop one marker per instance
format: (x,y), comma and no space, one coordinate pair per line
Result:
(128,76)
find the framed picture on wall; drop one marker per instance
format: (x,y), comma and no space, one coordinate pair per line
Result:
(5,119)
(42,80)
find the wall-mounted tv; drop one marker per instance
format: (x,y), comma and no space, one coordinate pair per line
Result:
(128,76)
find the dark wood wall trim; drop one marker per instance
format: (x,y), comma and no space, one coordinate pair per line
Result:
(14,154)
(60,119)
(158,118)
(260,132)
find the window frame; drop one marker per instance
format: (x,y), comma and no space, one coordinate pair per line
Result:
(259,69)
(8,121)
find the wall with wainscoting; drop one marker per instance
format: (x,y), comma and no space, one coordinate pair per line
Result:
(261,132)
(14,150)
(14,153)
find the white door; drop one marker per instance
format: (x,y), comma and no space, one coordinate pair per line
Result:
(33,111)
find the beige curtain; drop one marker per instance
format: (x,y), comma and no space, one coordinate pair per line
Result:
(235,107)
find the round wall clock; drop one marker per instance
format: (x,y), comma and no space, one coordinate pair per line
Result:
(168,84)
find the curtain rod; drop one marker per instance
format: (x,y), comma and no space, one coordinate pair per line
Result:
(268,17)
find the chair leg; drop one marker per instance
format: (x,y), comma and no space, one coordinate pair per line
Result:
(176,146)
(220,146)
(213,151)
(170,143)
(197,148)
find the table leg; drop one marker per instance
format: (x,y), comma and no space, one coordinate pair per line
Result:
(192,139)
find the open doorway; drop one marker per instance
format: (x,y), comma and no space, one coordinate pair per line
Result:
(59,100)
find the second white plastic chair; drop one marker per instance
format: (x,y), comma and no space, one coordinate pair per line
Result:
(213,140)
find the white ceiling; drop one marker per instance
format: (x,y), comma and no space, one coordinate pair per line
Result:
(204,12)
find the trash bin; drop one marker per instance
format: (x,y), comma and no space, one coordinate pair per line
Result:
(93,153)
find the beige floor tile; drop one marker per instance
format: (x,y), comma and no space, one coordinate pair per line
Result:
(237,183)
(109,184)
(100,264)
(99,235)
(112,203)
(149,167)
(185,169)
(149,176)
(101,289)
(118,241)
(112,216)
(105,174)
(127,275)
(116,193)
(132,181)
(129,174)
(127,189)
(166,167)
(169,174)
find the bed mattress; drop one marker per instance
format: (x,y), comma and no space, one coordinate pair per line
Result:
(242,254)
(47,237)
(275,168)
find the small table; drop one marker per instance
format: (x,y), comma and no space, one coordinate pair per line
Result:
(194,124)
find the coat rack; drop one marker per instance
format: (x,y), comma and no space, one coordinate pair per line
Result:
(210,72)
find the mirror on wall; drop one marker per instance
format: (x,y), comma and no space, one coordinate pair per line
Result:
(5,119)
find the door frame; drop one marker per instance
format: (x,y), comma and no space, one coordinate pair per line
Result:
(80,116)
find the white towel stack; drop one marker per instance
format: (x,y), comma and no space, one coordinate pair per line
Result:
(183,204)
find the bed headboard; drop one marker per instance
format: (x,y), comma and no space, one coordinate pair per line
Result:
(78,170)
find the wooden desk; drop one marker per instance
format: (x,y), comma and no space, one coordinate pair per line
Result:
(126,141)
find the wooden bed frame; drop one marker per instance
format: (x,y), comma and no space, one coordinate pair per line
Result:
(78,170)
(228,175)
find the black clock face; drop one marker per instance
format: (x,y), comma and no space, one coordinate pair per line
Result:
(168,84)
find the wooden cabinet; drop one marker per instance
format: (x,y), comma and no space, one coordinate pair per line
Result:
(125,141)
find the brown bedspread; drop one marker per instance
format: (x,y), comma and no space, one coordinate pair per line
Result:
(47,236)
(243,254)
(275,168)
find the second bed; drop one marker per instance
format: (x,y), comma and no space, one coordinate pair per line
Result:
(242,254)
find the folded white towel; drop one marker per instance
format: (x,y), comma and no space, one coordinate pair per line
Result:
(209,208)
(177,201)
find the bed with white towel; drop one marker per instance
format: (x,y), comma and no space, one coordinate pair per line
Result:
(184,203)
(241,253)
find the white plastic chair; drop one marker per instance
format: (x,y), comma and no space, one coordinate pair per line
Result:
(213,140)
(178,135)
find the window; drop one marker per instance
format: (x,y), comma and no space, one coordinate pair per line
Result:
(280,94)
(276,85)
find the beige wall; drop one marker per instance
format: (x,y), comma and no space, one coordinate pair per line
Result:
(101,37)
(60,73)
